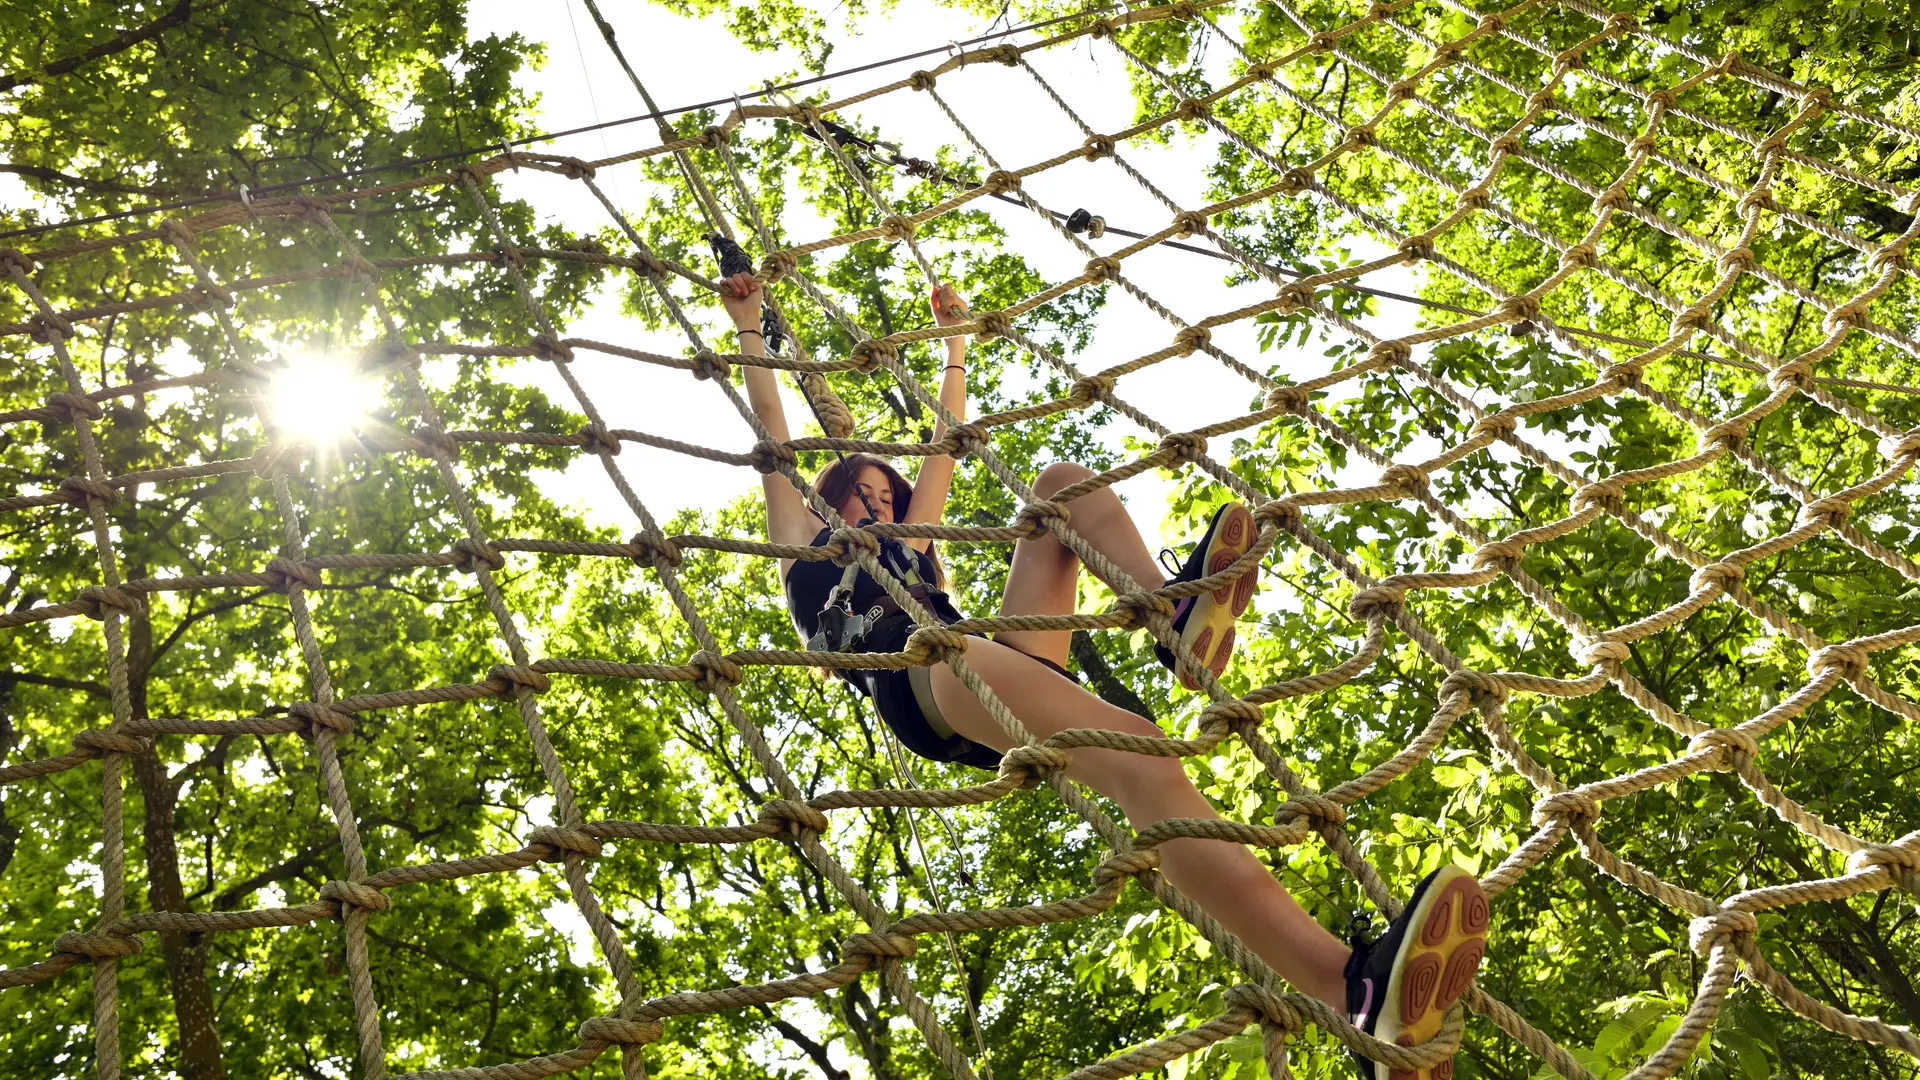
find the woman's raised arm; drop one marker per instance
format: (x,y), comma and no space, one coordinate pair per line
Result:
(935,480)
(788,520)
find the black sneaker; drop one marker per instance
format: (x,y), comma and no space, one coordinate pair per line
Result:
(1400,987)
(1205,622)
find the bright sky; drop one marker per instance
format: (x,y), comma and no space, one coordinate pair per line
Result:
(686,60)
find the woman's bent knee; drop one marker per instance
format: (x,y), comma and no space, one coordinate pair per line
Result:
(1059,475)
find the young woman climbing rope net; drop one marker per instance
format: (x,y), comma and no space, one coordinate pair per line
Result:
(1398,987)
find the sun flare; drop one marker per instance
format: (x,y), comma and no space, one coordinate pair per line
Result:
(320,399)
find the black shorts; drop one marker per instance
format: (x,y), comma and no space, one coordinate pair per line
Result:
(904,700)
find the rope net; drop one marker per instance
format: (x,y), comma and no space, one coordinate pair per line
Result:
(1445,91)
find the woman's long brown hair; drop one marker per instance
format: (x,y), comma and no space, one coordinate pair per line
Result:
(835,483)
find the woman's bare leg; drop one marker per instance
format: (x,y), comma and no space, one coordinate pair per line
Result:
(1045,576)
(1223,878)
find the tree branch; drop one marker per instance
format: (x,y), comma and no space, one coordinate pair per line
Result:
(175,16)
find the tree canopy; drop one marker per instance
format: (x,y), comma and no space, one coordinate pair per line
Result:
(110,108)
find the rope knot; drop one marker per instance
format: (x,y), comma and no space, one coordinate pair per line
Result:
(1103,268)
(82,492)
(1736,748)
(1039,517)
(1193,337)
(866,356)
(1691,318)
(1389,353)
(1000,181)
(1499,554)
(1261,69)
(469,555)
(435,443)
(1318,809)
(1120,865)
(1895,447)
(792,820)
(99,601)
(46,328)
(1492,24)
(574,168)
(1717,575)
(715,671)
(1580,256)
(1598,652)
(1284,514)
(1852,661)
(710,366)
(1473,198)
(654,551)
(1525,307)
(1723,436)
(1377,602)
(1033,764)
(1402,91)
(1756,200)
(1287,397)
(1740,258)
(846,545)
(993,323)
(111,742)
(1416,248)
(898,227)
(770,457)
(1142,607)
(1891,257)
(880,946)
(776,265)
(1832,510)
(13,259)
(1608,495)
(314,716)
(1568,806)
(1796,373)
(1189,222)
(1622,22)
(97,945)
(504,679)
(548,347)
(620,1031)
(283,574)
(68,407)
(714,136)
(596,439)
(559,841)
(1292,298)
(346,894)
(922,80)
(1498,425)
(1097,147)
(1709,932)
(1091,388)
(1482,687)
(1192,110)
(208,297)
(1231,714)
(932,645)
(1102,28)
(1408,478)
(1186,447)
(1323,42)
(1293,182)
(1271,1008)
(1900,859)
(1845,317)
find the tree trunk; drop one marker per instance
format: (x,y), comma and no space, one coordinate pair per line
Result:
(186,954)
(9,832)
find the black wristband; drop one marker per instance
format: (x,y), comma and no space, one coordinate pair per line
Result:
(755,333)
(954,367)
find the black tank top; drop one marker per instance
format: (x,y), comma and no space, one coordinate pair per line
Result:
(808,584)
